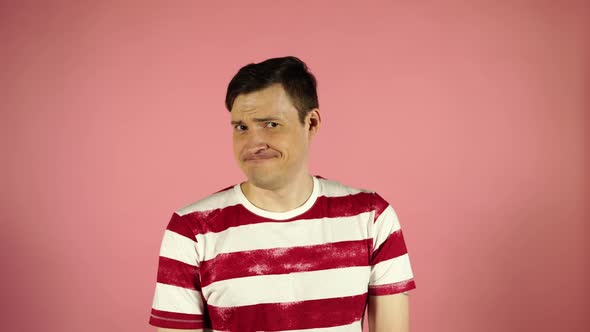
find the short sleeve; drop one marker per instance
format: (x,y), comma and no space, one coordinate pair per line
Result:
(391,271)
(177,302)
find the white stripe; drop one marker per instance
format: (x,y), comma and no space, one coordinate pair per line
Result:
(354,327)
(177,299)
(272,234)
(331,188)
(178,247)
(290,287)
(223,199)
(386,224)
(391,271)
(279,215)
(214,201)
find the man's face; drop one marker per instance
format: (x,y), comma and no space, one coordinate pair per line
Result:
(270,144)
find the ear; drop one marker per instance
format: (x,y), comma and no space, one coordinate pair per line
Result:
(314,120)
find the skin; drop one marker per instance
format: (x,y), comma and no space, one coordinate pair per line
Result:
(389,313)
(266,127)
(271,147)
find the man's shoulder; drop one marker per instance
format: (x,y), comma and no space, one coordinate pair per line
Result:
(217,200)
(336,188)
(361,195)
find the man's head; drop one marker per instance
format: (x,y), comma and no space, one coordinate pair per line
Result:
(274,114)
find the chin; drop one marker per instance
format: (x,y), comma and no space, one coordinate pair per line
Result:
(263,180)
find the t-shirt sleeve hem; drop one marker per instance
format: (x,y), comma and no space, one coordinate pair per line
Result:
(393,288)
(158,322)
(175,320)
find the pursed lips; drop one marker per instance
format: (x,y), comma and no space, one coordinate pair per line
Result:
(256,159)
(260,157)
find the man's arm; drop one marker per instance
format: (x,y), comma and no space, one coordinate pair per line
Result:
(389,313)
(161,329)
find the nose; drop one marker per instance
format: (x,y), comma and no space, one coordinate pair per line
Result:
(255,142)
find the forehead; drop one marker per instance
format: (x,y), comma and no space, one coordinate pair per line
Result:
(270,101)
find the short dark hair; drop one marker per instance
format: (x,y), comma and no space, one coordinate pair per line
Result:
(292,73)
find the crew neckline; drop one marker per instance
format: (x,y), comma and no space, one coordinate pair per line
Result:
(279,215)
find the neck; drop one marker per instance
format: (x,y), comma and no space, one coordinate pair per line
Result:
(288,197)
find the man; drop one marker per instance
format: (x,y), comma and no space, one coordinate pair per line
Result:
(284,250)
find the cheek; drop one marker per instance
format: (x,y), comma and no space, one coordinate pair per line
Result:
(281,141)
(235,142)
(293,145)
(237,146)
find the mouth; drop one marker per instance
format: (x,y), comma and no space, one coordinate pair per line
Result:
(258,160)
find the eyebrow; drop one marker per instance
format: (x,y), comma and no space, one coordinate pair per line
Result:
(257,120)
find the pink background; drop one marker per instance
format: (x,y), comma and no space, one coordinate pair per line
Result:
(471,118)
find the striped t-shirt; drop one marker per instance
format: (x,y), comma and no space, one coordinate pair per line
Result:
(227,265)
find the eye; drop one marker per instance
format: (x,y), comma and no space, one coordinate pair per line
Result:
(238,127)
(274,124)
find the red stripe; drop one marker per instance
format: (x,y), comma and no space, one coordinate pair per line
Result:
(173,272)
(178,225)
(379,204)
(173,324)
(218,220)
(394,246)
(289,315)
(175,320)
(394,288)
(285,260)
(176,315)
